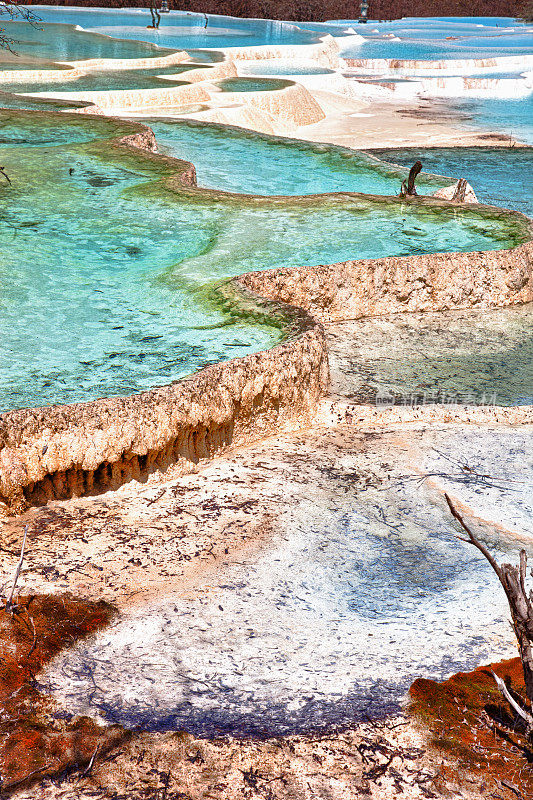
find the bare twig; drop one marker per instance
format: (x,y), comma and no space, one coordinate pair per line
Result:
(34,643)
(14,11)
(9,603)
(526,716)
(473,540)
(89,766)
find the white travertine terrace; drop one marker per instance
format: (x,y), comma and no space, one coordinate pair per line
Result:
(132,63)
(79,68)
(39,76)
(293,104)
(463,66)
(224,69)
(326,52)
(445,86)
(461,86)
(136,98)
(356,288)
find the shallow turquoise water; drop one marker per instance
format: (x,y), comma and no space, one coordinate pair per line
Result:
(441,38)
(241,161)
(514,117)
(15,101)
(284,67)
(67,43)
(102,291)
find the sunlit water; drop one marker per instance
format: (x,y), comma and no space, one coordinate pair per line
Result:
(458,39)
(360,593)
(513,117)
(413,38)
(179,30)
(102,288)
(68,43)
(109,80)
(125,33)
(253,84)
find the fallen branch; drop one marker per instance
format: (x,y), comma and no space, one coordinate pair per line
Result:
(9,602)
(528,719)
(513,580)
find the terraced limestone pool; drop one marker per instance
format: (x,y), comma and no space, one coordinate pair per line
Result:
(40,49)
(363,588)
(180,30)
(108,80)
(253,84)
(105,272)
(441,38)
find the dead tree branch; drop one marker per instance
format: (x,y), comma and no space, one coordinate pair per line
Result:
(12,12)
(513,580)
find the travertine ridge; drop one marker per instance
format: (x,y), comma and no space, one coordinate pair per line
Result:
(87,448)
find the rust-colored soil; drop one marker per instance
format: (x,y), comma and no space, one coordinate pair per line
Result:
(35,738)
(470,720)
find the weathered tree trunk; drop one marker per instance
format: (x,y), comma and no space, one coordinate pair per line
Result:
(156,16)
(408,189)
(460,191)
(520,602)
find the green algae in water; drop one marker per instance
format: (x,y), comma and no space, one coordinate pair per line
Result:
(15,101)
(103,272)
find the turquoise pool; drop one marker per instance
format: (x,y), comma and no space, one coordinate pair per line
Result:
(104,274)
(253,84)
(513,117)
(414,38)
(58,42)
(241,161)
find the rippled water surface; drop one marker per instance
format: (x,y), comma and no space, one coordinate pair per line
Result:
(59,42)
(242,161)
(180,30)
(109,80)
(484,168)
(413,38)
